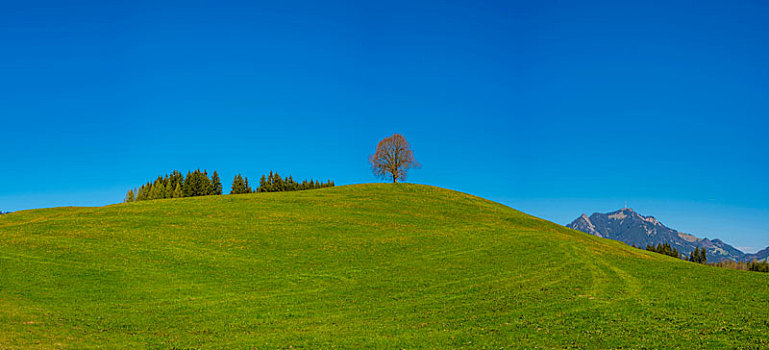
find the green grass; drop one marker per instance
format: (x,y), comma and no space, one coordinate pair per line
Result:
(363,266)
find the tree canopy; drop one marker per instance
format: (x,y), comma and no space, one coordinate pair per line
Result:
(198,183)
(699,256)
(664,248)
(176,185)
(393,158)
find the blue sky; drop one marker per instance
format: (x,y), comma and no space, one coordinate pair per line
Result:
(555,108)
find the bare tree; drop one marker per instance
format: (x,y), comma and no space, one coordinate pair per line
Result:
(393,158)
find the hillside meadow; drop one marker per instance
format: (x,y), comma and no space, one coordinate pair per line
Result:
(364,266)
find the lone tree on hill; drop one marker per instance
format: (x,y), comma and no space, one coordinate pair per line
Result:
(393,158)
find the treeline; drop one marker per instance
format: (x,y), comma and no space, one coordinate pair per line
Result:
(274,183)
(198,183)
(758,266)
(4,212)
(176,185)
(699,256)
(664,249)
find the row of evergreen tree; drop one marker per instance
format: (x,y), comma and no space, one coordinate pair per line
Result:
(699,256)
(759,266)
(664,248)
(198,183)
(274,183)
(176,185)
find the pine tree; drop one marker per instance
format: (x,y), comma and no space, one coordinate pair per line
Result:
(129,197)
(206,186)
(187,187)
(262,184)
(277,183)
(238,185)
(169,189)
(144,192)
(699,256)
(158,191)
(246,187)
(178,191)
(216,184)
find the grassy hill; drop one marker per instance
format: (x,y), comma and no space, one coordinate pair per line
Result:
(363,266)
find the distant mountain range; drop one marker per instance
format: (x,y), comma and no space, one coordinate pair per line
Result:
(632,228)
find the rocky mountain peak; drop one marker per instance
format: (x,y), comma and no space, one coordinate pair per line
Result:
(629,226)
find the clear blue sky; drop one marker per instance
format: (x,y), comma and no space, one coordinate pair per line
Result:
(553,107)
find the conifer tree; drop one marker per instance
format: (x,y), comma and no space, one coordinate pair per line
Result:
(169,189)
(277,183)
(158,191)
(129,197)
(178,191)
(246,188)
(262,184)
(238,185)
(207,187)
(216,184)
(187,187)
(144,192)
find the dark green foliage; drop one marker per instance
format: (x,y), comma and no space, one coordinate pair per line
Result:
(277,183)
(197,183)
(664,249)
(760,266)
(274,183)
(216,184)
(240,185)
(158,190)
(694,256)
(699,256)
(262,184)
(176,185)
(129,197)
(178,191)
